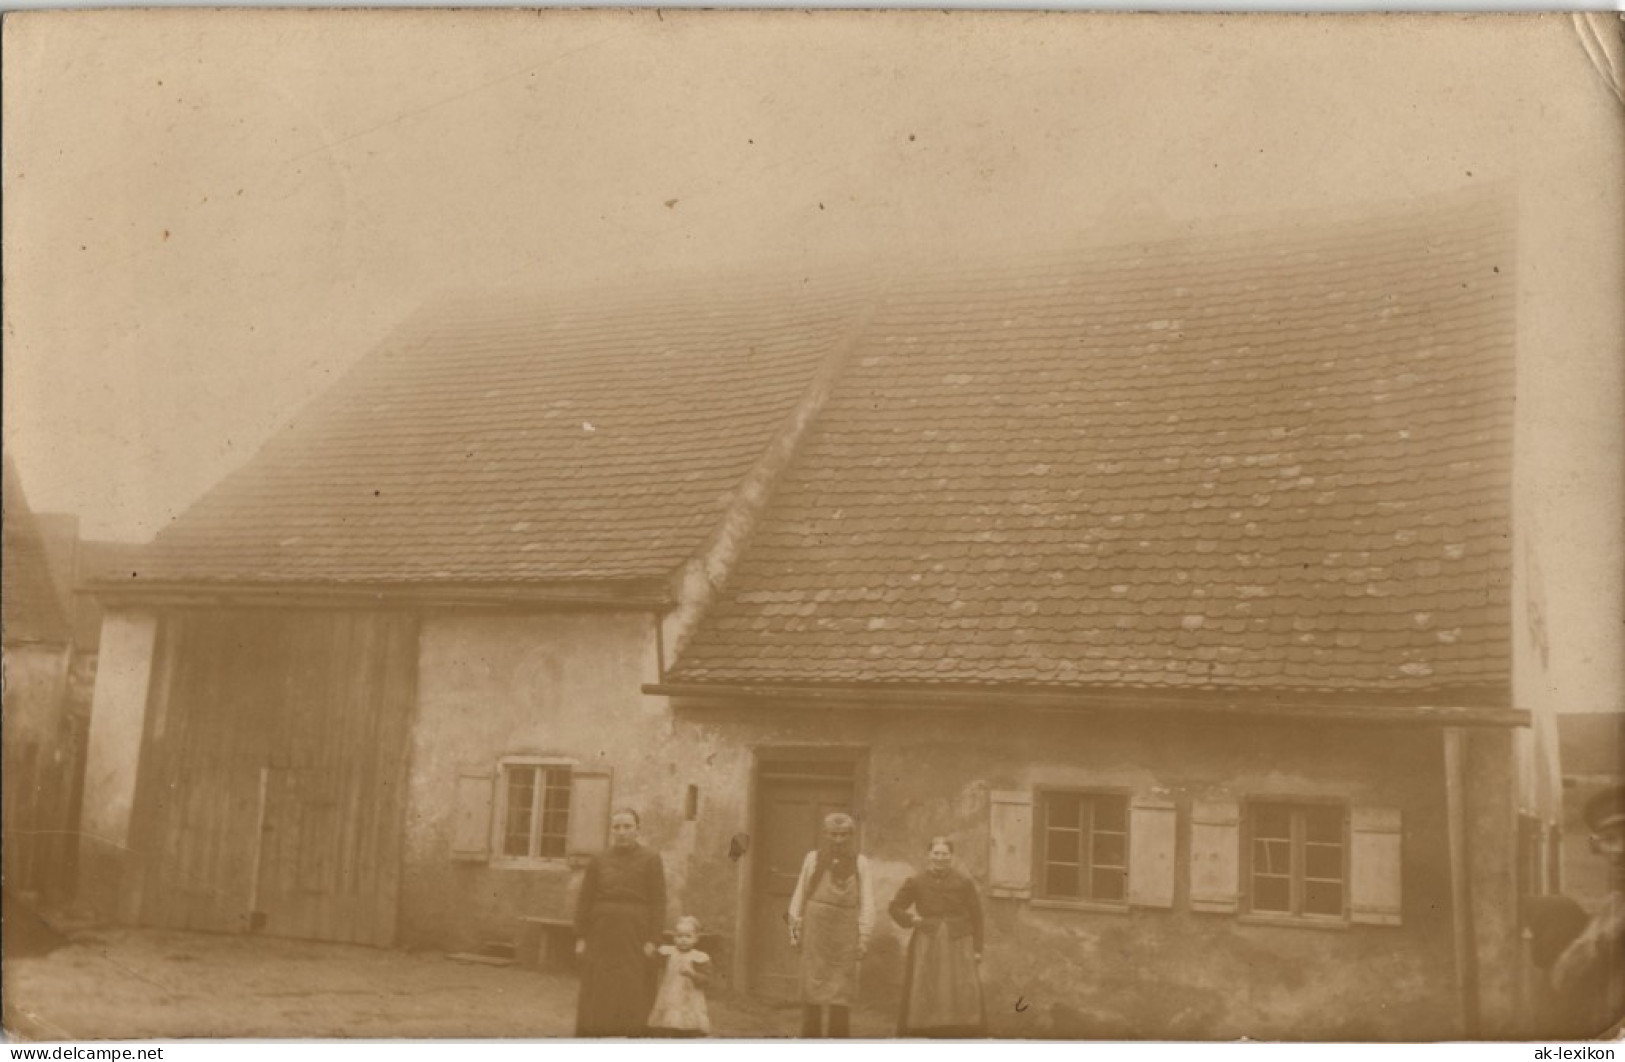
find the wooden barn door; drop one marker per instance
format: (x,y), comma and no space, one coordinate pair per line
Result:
(273,773)
(793,796)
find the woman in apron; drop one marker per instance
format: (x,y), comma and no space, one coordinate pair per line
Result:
(942,989)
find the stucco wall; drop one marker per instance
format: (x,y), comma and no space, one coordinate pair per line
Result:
(566,685)
(117,719)
(1153,972)
(569,686)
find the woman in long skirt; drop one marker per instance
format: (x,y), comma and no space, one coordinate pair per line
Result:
(619,916)
(942,989)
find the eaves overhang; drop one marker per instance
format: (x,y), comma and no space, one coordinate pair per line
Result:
(1484,706)
(627,595)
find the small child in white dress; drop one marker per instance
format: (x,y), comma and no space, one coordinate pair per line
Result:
(679,1009)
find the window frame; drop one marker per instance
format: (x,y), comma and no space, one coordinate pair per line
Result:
(1297,875)
(499,820)
(1039,895)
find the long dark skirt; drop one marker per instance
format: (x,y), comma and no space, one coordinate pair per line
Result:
(942,988)
(617,979)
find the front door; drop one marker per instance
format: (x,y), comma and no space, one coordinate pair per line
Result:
(793,796)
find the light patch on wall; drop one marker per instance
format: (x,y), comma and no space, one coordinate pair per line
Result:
(1535,605)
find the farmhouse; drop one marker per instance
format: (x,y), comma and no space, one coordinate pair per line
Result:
(1173,578)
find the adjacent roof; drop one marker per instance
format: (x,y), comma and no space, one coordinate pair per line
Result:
(29,600)
(597,436)
(99,561)
(1265,461)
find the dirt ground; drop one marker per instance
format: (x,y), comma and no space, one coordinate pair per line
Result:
(144,984)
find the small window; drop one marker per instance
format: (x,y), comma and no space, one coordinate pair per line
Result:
(535,810)
(1083,847)
(1298,860)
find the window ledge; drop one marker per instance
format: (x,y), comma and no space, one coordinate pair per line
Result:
(1049,904)
(1289,922)
(536,863)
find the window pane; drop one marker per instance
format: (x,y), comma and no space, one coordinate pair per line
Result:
(1111,813)
(1272,894)
(1110,849)
(1061,881)
(1107,884)
(1272,857)
(521,800)
(1062,809)
(1272,820)
(1323,897)
(1324,824)
(1062,846)
(553,836)
(1323,861)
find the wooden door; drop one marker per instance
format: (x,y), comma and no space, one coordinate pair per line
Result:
(792,799)
(273,773)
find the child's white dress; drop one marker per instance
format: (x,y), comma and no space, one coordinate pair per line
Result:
(680,1003)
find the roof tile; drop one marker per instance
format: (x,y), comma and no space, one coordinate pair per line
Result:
(1300,432)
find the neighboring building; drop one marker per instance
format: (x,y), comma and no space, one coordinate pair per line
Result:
(39,749)
(1173,579)
(1593,746)
(1593,760)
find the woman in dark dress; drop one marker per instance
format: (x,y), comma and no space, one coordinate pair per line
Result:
(619,916)
(942,989)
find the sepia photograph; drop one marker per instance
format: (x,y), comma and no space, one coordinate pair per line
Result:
(767,525)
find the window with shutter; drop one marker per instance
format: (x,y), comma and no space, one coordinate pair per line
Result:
(535,810)
(1297,860)
(471,815)
(1082,847)
(1375,839)
(1010,843)
(1152,831)
(1215,851)
(589,819)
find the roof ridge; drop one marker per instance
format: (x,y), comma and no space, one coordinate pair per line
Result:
(706,574)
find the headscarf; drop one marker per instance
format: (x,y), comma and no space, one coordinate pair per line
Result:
(840,861)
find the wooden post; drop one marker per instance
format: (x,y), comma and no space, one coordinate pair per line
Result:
(259,849)
(1463,934)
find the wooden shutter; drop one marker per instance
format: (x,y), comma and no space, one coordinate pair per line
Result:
(1374,866)
(589,811)
(471,815)
(1215,856)
(1152,821)
(1010,843)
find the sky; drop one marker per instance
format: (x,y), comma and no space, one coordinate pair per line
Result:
(209,215)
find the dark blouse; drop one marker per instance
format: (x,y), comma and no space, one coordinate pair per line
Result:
(950,898)
(625,876)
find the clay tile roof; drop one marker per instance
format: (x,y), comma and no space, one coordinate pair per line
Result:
(504,439)
(1275,459)
(29,597)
